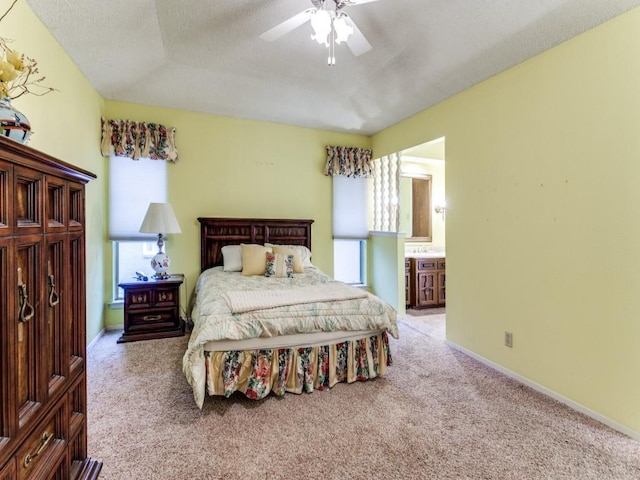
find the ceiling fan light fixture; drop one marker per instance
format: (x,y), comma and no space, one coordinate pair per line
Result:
(321,24)
(342,28)
(330,25)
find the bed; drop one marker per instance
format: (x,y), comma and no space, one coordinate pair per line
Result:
(273,332)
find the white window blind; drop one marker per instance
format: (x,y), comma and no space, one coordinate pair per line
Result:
(350,198)
(133,184)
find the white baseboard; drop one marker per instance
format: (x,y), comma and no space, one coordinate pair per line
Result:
(550,393)
(95,340)
(108,328)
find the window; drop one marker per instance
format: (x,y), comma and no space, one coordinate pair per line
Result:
(133,184)
(350,228)
(131,257)
(349,261)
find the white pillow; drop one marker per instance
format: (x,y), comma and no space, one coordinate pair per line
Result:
(304,252)
(232,258)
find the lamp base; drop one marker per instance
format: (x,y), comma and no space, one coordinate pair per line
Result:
(160,264)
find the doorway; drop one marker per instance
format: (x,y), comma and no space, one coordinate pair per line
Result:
(422,213)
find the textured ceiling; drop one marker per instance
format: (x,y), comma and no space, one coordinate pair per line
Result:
(205,55)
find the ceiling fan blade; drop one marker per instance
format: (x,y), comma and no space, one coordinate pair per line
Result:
(287,26)
(356,41)
(355,2)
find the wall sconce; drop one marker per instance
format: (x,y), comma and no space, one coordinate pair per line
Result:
(441,209)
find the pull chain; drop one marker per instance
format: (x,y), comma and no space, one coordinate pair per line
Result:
(332,47)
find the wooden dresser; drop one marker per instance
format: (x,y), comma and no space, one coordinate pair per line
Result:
(426,280)
(43,397)
(152,309)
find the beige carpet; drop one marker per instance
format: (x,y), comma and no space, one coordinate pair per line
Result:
(438,414)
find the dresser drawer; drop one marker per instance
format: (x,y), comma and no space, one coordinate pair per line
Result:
(138,298)
(152,297)
(426,264)
(156,319)
(165,297)
(45,447)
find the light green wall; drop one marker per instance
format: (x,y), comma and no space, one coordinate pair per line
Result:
(543,163)
(65,124)
(385,259)
(240,168)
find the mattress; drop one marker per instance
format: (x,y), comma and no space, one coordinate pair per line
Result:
(288,341)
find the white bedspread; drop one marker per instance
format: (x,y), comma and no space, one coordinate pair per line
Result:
(214,320)
(247,300)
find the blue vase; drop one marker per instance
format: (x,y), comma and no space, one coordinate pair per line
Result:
(14,123)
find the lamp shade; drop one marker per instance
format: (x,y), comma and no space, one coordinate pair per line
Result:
(160,219)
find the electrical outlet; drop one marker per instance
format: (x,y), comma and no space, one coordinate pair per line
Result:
(508,339)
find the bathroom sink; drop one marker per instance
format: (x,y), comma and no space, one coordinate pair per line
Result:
(431,254)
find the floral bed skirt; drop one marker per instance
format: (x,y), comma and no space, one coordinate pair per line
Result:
(258,372)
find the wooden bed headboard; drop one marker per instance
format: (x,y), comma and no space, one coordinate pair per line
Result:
(215,233)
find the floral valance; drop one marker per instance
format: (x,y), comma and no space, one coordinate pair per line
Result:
(348,161)
(138,140)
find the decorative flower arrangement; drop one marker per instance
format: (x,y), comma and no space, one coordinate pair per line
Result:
(19,74)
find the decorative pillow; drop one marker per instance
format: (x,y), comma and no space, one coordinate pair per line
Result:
(279,265)
(232,258)
(253,259)
(297,261)
(303,255)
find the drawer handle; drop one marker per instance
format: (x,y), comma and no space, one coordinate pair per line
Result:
(152,317)
(163,296)
(54,298)
(26,310)
(46,438)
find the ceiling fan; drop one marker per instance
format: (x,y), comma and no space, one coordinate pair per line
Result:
(331,25)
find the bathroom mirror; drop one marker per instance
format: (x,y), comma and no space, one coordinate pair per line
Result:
(415,207)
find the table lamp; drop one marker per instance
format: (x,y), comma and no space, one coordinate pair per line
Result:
(160,219)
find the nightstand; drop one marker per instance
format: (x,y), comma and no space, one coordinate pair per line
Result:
(152,309)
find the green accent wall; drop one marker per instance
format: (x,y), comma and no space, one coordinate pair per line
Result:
(385,259)
(66,124)
(231,167)
(542,172)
